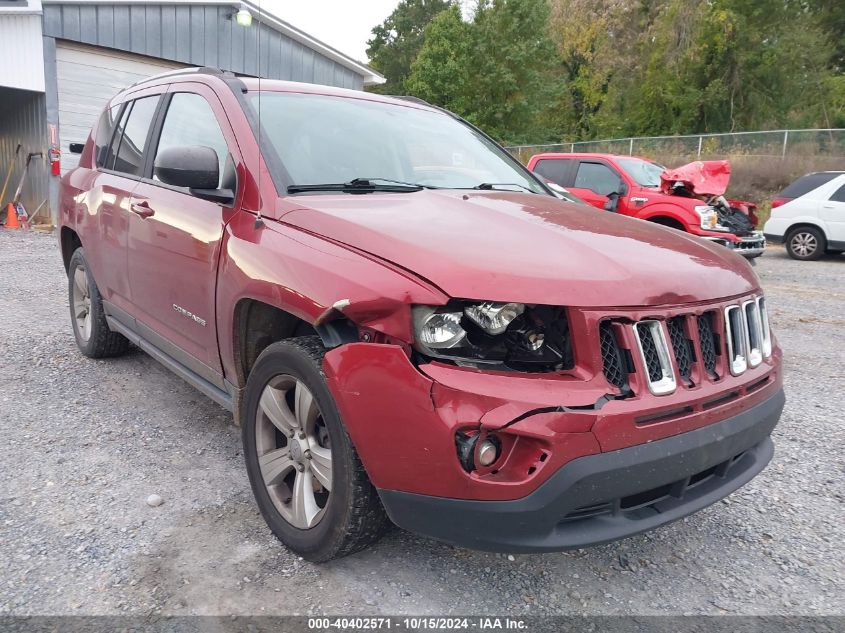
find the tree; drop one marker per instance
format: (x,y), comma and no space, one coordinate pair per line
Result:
(397,41)
(497,70)
(441,70)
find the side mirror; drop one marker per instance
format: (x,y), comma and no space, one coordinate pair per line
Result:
(191,166)
(612,202)
(76,148)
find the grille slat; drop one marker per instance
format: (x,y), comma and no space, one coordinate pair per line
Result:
(611,356)
(654,352)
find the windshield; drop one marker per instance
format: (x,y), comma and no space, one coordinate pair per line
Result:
(645,173)
(323,139)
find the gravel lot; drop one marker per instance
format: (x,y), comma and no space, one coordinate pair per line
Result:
(83,444)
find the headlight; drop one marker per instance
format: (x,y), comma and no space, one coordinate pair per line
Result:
(709,218)
(494,318)
(441,330)
(507,335)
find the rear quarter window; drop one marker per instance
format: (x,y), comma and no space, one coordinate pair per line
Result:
(838,195)
(806,184)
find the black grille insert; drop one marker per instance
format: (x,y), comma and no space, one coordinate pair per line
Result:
(682,348)
(611,356)
(652,359)
(707,337)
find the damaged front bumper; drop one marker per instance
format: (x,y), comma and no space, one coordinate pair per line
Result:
(602,498)
(579,465)
(749,246)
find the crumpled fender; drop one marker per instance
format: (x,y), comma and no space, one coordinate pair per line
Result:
(702,177)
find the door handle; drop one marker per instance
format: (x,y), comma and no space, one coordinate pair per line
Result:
(142,209)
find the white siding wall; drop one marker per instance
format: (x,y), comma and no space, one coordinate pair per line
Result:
(87,77)
(22,57)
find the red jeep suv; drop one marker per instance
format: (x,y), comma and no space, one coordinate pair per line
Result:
(688,198)
(408,325)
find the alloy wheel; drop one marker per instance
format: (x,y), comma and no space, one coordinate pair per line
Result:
(804,244)
(294,451)
(82,303)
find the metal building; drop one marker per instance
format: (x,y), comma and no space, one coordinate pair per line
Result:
(65,58)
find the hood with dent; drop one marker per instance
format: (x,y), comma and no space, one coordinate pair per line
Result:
(505,246)
(702,177)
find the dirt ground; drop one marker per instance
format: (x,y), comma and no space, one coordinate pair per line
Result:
(83,444)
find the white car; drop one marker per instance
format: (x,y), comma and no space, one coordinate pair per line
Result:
(813,223)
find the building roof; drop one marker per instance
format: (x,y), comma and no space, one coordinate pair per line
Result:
(369,75)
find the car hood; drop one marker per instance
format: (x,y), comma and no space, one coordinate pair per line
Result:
(702,177)
(529,248)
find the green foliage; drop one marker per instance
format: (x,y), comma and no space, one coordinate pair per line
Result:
(497,70)
(532,71)
(397,41)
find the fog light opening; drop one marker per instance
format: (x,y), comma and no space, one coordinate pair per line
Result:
(487,451)
(475,451)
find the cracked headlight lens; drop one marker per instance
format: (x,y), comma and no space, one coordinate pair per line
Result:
(494,318)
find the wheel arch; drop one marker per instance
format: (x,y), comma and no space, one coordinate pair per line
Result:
(667,220)
(804,224)
(69,241)
(257,324)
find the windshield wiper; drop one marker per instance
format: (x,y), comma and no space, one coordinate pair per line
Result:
(362,185)
(488,186)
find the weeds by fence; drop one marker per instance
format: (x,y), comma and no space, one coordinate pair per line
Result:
(769,143)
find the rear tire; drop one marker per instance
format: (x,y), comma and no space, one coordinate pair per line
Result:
(805,243)
(90,328)
(307,478)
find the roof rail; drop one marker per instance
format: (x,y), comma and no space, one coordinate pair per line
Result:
(412,99)
(228,76)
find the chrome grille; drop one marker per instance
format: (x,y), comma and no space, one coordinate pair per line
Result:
(764,325)
(654,353)
(753,333)
(669,355)
(747,334)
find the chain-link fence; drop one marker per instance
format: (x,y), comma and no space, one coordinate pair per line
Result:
(770,143)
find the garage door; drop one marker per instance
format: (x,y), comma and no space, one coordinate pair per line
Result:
(88,76)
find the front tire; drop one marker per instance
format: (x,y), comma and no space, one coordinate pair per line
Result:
(806,244)
(90,328)
(307,478)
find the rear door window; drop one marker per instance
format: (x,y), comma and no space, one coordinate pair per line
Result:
(105,128)
(558,170)
(598,178)
(127,154)
(806,184)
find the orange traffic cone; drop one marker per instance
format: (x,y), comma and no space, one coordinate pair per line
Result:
(12,216)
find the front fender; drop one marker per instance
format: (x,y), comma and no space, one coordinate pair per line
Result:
(305,275)
(687,217)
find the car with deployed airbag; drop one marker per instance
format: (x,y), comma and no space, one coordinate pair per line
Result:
(408,325)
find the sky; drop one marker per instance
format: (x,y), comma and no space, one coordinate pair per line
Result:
(342,24)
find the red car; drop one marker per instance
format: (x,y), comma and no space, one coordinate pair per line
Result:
(407,324)
(689,198)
